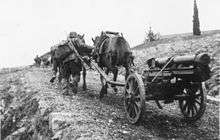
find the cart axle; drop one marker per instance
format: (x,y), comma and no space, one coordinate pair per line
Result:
(175,97)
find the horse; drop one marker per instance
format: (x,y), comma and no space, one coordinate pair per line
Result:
(45,61)
(69,65)
(112,51)
(37,61)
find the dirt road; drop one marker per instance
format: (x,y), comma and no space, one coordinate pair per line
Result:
(84,116)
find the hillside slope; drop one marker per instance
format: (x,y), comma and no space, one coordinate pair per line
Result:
(208,42)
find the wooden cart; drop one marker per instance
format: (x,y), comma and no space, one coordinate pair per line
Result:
(168,79)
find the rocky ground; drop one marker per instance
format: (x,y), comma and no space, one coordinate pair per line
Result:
(33,108)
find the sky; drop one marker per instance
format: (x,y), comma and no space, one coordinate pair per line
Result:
(31,27)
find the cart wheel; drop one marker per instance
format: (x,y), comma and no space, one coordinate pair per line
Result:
(134,98)
(193,107)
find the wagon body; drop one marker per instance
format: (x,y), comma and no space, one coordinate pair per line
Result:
(169,79)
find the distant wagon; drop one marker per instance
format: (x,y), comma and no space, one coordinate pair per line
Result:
(168,79)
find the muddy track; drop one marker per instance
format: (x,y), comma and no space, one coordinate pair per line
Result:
(85,116)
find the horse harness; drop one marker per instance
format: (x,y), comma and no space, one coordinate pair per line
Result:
(107,35)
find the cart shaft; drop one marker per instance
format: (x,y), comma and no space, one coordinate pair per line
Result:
(105,76)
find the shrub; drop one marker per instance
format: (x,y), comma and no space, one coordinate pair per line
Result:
(151,36)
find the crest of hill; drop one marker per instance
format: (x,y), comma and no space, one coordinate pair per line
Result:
(175,37)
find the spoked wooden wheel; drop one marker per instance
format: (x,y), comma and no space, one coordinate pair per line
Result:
(193,107)
(134,98)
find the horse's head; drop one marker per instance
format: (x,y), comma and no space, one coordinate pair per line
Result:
(96,42)
(81,38)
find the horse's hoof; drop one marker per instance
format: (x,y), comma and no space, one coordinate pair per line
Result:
(66,92)
(101,96)
(103,92)
(84,88)
(74,90)
(59,86)
(52,79)
(115,90)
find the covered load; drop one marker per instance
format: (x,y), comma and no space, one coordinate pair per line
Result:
(202,58)
(188,67)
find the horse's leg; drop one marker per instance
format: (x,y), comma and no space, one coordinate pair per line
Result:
(127,72)
(66,74)
(104,85)
(102,80)
(75,72)
(54,70)
(60,77)
(115,74)
(67,86)
(107,72)
(76,79)
(84,79)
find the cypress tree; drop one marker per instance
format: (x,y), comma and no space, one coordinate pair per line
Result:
(196,24)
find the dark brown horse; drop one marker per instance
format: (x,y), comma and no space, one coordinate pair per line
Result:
(66,62)
(112,51)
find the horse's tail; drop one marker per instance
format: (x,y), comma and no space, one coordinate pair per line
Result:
(129,59)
